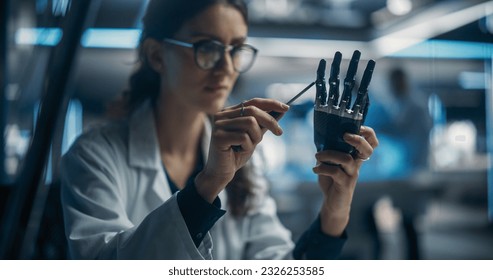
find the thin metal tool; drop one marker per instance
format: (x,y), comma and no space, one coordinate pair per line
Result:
(277,114)
(300,94)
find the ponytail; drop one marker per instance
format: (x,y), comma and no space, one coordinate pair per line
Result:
(144,84)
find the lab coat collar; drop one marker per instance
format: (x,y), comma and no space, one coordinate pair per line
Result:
(143,144)
(143,141)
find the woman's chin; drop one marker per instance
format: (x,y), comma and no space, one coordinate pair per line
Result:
(214,103)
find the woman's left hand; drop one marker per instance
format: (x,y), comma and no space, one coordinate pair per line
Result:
(337,176)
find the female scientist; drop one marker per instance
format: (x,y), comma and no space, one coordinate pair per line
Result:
(178,177)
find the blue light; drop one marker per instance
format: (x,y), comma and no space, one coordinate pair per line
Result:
(38,36)
(445,49)
(111,38)
(128,38)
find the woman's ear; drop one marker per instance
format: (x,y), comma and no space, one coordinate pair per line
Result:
(153,53)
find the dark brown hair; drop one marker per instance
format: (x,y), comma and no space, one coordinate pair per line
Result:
(163,18)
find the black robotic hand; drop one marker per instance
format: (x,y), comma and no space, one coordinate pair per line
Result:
(333,118)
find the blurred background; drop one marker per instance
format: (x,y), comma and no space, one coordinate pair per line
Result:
(423,195)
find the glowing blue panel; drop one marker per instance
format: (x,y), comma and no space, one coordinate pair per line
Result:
(447,50)
(111,38)
(489,137)
(38,36)
(129,38)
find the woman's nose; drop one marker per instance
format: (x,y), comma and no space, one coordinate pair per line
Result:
(225,64)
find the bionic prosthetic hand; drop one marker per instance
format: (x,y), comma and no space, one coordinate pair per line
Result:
(333,118)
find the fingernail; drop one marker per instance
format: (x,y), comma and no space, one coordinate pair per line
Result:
(314,169)
(348,136)
(285,106)
(279,130)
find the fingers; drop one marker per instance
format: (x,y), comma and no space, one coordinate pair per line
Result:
(244,130)
(333,162)
(369,134)
(267,105)
(363,149)
(227,139)
(254,112)
(243,125)
(364,143)
(263,119)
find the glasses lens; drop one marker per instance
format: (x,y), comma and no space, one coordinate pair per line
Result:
(208,54)
(243,57)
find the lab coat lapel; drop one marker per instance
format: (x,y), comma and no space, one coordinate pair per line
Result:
(144,151)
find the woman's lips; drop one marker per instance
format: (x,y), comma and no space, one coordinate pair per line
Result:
(216,88)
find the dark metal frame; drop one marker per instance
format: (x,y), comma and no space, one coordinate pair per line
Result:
(19,228)
(4,8)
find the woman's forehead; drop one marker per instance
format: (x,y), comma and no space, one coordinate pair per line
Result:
(217,21)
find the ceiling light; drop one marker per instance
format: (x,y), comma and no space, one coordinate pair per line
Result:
(399,7)
(418,32)
(473,80)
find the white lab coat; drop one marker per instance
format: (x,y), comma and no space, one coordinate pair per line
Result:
(117,203)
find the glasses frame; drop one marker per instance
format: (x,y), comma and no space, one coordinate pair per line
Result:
(231,49)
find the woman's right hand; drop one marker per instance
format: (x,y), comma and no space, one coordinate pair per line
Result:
(236,131)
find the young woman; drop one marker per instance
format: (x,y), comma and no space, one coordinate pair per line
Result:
(154,185)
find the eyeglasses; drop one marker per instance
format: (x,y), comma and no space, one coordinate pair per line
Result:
(208,53)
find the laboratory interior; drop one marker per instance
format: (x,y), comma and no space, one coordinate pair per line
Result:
(426,192)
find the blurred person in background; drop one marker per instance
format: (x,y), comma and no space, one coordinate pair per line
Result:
(410,124)
(154,184)
(408,120)
(402,118)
